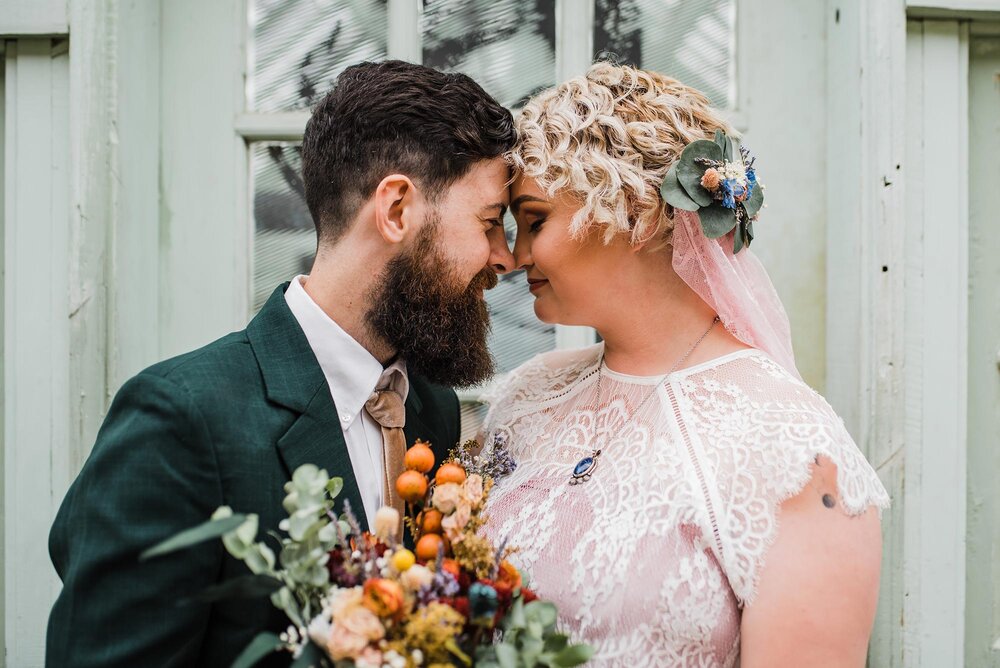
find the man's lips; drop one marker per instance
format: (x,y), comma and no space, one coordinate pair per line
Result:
(535,284)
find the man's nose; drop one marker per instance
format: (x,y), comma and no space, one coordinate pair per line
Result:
(501,259)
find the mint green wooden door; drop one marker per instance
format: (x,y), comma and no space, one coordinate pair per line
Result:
(982,612)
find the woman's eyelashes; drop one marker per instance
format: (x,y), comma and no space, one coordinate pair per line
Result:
(536,225)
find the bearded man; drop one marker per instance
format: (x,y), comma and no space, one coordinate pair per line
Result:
(406,183)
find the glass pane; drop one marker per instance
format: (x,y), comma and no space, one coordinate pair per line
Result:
(297,48)
(694,42)
(473,414)
(285,243)
(284,239)
(507,47)
(517,334)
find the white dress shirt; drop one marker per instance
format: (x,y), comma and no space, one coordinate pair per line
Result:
(353,374)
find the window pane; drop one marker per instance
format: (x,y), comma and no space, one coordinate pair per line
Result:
(297,48)
(507,47)
(284,237)
(285,243)
(691,41)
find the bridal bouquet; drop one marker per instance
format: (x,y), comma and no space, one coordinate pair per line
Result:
(363,599)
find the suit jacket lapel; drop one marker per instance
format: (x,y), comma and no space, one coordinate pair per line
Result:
(294,379)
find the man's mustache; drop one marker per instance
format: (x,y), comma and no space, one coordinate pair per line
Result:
(484,280)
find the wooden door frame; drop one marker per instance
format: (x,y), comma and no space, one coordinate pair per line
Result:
(897,302)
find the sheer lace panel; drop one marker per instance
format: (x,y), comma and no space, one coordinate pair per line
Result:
(652,559)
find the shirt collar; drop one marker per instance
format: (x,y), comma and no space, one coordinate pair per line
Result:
(350,370)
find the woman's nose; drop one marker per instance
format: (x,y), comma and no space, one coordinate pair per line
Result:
(522,251)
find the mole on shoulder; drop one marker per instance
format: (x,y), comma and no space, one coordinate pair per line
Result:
(829,501)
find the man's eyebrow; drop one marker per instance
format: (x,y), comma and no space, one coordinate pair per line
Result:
(518,201)
(497,205)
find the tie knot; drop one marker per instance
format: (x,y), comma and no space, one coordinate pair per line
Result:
(386,408)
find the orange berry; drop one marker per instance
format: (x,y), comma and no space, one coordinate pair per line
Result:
(412,486)
(427,546)
(430,521)
(419,458)
(450,472)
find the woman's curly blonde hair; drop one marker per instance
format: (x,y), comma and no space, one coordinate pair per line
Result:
(607,139)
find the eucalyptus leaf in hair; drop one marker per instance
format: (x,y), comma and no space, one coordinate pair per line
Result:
(717,180)
(673,193)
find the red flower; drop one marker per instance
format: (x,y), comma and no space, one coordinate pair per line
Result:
(459,603)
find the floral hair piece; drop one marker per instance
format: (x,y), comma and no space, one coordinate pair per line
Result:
(720,187)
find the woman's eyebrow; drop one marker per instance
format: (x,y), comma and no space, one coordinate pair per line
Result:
(518,201)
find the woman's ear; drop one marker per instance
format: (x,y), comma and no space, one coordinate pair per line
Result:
(395,204)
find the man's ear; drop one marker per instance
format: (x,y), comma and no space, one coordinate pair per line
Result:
(395,207)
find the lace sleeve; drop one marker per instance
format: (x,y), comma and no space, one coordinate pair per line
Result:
(762,441)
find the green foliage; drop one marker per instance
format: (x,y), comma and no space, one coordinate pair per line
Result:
(530,639)
(218,526)
(264,644)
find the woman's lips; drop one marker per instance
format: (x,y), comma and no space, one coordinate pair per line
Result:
(536,284)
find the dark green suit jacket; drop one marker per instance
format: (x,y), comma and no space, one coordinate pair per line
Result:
(223,425)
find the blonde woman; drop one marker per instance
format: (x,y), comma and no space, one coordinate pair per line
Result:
(680,493)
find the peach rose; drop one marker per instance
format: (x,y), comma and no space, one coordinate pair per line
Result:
(363,622)
(446,496)
(344,602)
(345,645)
(474,488)
(454,523)
(370,658)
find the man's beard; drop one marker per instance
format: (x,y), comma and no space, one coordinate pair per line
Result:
(437,327)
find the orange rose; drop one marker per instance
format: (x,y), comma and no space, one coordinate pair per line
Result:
(384,597)
(508,576)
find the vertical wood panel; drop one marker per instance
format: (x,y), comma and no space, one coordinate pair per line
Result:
(134,322)
(866,53)
(982,609)
(204,264)
(404,41)
(3,331)
(36,337)
(936,325)
(574,54)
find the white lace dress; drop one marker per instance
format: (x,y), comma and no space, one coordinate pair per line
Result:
(652,559)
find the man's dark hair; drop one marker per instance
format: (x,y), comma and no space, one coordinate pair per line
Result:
(395,117)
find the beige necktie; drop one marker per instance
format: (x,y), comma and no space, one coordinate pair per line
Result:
(386,408)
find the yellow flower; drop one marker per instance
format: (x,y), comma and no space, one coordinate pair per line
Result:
(429,629)
(403,560)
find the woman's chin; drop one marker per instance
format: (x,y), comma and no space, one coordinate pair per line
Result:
(544,314)
(548,315)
